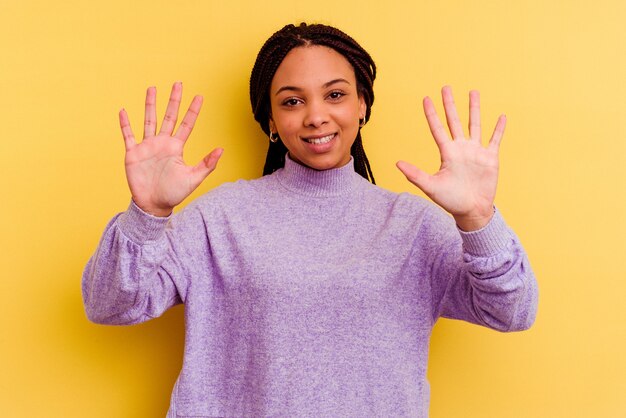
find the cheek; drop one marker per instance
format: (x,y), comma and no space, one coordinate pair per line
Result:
(353,111)
(288,126)
(350,118)
(284,122)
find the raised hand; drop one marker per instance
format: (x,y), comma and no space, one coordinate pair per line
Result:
(465,185)
(157,175)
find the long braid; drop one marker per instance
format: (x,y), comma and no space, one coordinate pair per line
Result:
(271,56)
(275,158)
(361,163)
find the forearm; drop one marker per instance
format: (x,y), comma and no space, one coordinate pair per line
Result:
(122,282)
(494,285)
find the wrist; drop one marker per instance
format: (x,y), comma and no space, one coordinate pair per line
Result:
(141,227)
(160,213)
(473,222)
(154,211)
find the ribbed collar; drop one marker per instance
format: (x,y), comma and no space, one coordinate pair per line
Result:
(318,183)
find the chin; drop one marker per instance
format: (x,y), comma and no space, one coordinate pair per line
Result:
(322,164)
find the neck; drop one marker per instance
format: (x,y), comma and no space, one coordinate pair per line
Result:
(308,181)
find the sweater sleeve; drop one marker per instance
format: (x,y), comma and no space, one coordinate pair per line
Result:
(135,273)
(483,276)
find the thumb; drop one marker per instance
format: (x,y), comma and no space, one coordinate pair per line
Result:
(206,166)
(415,176)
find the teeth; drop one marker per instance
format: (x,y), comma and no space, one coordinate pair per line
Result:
(322,140)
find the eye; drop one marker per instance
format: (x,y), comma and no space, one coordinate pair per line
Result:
(336,95)
(290,102)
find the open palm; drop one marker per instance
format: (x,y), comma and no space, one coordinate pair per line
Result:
(157,175)
(465,185)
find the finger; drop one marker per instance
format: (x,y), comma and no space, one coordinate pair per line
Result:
(189,120)
(206,166)
(416,176)
(474,115)
(127,132)
(498,132)
(149,122)
(171,113)
(452,117)
(436,128)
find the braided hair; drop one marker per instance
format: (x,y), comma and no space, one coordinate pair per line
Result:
(271,56)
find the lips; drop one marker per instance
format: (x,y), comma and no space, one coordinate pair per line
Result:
(319,140)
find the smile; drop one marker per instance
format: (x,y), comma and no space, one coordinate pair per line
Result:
(320,140)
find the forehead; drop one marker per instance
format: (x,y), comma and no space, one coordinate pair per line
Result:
(312,66)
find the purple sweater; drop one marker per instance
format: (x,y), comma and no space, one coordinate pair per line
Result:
(307,293)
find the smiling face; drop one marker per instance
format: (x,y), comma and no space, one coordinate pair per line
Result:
(316,106)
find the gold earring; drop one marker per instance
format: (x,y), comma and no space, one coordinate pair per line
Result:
(273,138)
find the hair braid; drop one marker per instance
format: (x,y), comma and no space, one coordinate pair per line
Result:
(271,56)
(361,163)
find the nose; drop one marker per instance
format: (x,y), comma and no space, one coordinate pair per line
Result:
(316,114)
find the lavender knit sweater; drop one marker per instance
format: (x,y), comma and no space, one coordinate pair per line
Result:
(307,293)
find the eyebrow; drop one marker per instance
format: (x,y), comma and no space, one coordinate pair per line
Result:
(326,85)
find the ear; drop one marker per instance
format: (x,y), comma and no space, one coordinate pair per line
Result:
(362,107)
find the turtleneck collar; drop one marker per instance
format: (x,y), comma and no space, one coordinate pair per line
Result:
(318,183)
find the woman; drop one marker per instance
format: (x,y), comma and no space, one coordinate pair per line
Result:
(309,291)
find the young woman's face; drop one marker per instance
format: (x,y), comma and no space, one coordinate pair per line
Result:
(316,106)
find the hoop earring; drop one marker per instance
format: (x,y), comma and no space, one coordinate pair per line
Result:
(362,122)
(273,138)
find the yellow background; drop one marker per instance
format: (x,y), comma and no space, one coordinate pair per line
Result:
(556,68)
